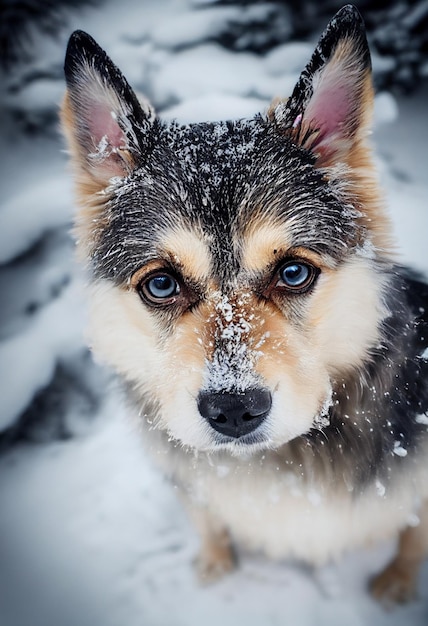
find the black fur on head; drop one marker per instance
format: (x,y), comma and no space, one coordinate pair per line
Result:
(218,175)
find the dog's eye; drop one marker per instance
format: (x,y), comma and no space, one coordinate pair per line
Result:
(297,276)
(159,289)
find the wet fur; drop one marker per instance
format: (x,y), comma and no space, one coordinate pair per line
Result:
(341,458)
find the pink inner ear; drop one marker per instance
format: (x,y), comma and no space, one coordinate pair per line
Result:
(103,124)
(332,107)
(329,111)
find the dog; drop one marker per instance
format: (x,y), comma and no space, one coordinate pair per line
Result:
(243,284)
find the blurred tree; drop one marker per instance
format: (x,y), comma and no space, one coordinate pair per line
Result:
(21,19)
(398,31)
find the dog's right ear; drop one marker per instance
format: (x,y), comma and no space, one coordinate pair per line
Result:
(107,127)
(329,111)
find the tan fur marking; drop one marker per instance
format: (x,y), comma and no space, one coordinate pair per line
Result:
(341,324)
(187,250)
(263,243)
(398,581)
(188,343)
(287,362)
(364,187)
(148,268)
(216,557)
(362,176)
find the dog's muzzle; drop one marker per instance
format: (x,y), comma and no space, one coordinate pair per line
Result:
(235,414)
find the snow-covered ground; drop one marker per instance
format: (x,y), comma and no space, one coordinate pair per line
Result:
(90,533)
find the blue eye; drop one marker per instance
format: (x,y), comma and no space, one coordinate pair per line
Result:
(161,288)
(296,275)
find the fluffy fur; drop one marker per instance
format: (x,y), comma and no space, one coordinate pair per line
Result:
(294,419)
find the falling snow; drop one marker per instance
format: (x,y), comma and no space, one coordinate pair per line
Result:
(380,488)
(422,418)
(399,450)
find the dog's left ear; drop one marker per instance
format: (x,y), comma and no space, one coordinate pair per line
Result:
(107,127)
(330,109)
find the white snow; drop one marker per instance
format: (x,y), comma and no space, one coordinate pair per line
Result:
(192,27)
(399,450)
(213,107)
(289,58)
(25,216)
(198,71)
(422,418)
(385,109)
(36,98)
(90,533)
(380,488)
(424,355)
(28,359)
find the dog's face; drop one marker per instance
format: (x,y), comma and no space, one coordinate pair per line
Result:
(235,266)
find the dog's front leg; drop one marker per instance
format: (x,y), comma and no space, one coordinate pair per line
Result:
(398,581)
(216,555)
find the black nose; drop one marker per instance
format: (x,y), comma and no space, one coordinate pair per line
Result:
(235,414)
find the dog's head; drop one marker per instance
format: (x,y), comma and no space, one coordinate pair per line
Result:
(236,266)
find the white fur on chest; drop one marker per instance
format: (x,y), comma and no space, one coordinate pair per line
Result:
(283,515)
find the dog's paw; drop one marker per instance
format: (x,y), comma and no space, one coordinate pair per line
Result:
(396,584)
(214,563)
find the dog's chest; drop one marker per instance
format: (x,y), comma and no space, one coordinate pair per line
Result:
(278,512)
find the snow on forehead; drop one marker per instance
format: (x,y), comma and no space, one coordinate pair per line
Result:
(215,144)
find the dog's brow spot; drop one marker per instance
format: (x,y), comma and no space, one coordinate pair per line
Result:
(261,243)
(187,248)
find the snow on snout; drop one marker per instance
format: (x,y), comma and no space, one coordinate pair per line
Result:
(232,367)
